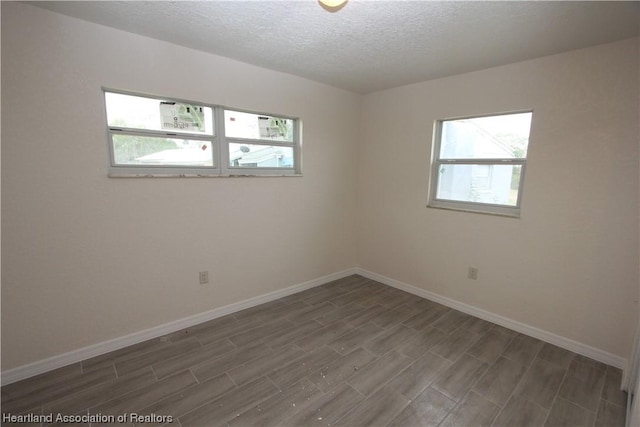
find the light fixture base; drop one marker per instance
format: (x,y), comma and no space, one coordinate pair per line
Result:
(332,5)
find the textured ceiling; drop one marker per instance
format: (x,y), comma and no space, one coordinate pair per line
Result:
(369,45)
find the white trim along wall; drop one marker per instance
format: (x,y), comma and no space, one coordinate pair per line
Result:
(22,372)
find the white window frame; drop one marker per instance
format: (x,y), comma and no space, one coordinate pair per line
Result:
(219,145)
(466,206)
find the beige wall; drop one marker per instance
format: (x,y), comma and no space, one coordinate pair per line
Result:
(88,258)
(569,265)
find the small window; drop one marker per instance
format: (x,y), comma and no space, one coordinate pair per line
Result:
(159,136)
(260,141)
(479,163)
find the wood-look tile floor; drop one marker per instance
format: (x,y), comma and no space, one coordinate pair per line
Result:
(352,352)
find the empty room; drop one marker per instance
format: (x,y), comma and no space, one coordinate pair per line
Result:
(305,213)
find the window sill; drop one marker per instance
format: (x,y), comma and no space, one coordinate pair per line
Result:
(483,210)
(195,175)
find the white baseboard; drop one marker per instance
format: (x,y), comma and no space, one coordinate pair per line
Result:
(566,343)
(26,371)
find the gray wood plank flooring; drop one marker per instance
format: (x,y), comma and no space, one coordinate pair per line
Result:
(353,352)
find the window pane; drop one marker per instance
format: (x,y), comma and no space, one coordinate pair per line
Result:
(257,126)
(260,156)
(492,184)
(154,114)
(143,150)
(496,137)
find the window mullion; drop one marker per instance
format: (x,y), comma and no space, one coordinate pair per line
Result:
(259,142)
(482,161)
(223,143)
(158,134)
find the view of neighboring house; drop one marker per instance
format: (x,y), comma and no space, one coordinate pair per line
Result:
(465,139)
(240,125)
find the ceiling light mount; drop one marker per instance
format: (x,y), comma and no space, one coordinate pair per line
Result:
(332,5)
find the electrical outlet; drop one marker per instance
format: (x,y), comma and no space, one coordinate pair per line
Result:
(204,277)
(473,273)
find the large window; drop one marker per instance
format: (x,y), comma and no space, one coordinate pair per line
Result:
(479,163)
(168,137)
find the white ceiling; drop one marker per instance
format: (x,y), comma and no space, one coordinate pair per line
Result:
(369,45)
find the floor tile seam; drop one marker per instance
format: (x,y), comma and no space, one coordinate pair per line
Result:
(428,384)
(98,385)
(295,412)
(297,380)
(465,350)
(143,410)
(512,396)
(557,395)
(283,345)
(152,403)
(430,325)
(193,375)
(126,357)
(409,401)
(251,405)
(460,402)
(352,387)
(389,350)
(272,382)
(538,352)
(511,338)
(293,325)
(48,387)
(491,363)
(501,406)
(600,397)
(576,404)
(614,403)
(486,368)
(601,394)
(350,329)
(39,406)
(344,380)
(263,374)
(579,405)
(205,362)
(552,363)
(528,365)
(257,340)
(325,298)
(155,374)
(441,423)
(206,341)
(598,412)
(181,354)
(495,327)
(453,331)
(44,403)
(38,410)
(231,378)
(460,356)
(379,387)
(515,387)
